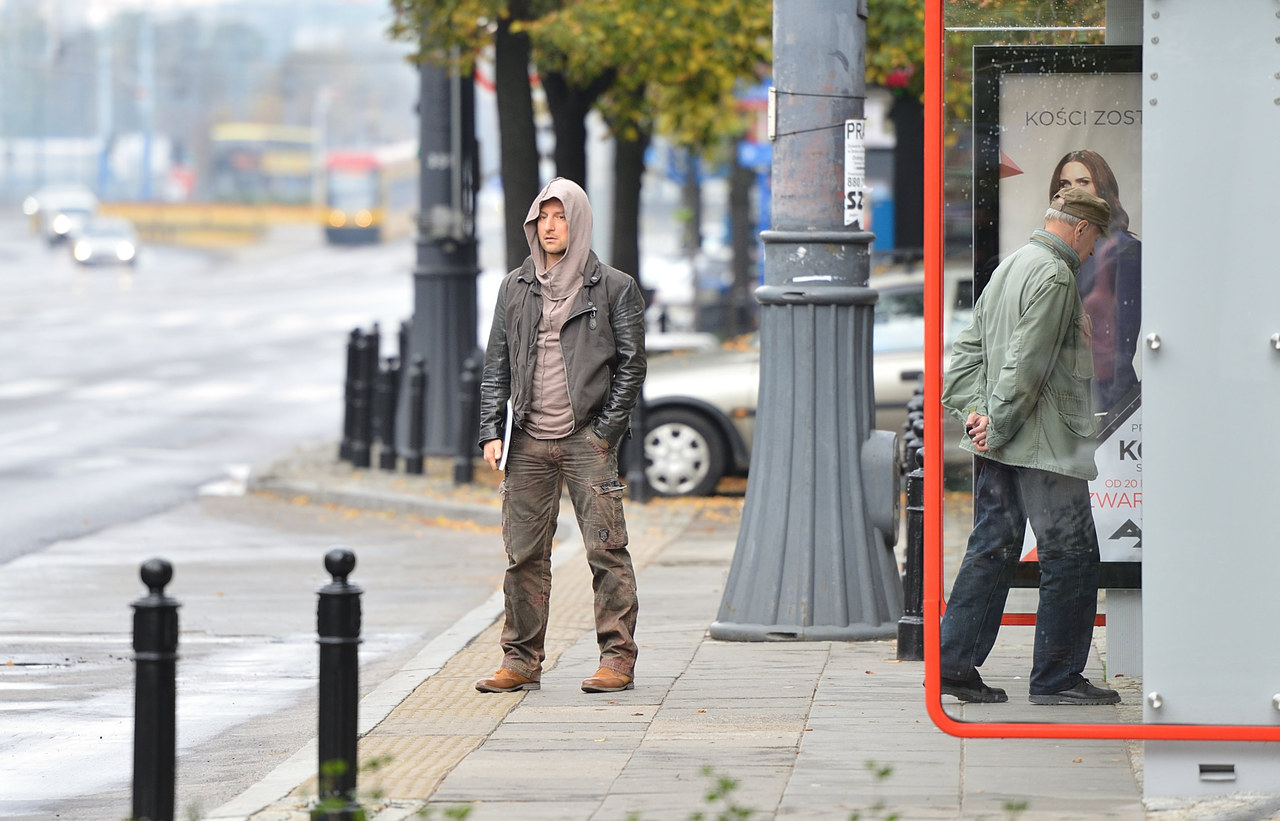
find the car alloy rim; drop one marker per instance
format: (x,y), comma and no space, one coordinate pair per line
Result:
(677,458)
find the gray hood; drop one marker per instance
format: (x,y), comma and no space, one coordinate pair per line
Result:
(566,275)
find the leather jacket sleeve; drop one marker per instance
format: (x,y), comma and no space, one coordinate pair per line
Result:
(626,314)
(495,378)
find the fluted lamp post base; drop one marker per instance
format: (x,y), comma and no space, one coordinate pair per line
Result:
(814,559)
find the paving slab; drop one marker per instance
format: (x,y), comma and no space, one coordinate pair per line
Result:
(802,730)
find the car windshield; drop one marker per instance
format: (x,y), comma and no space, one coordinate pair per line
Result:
(899,317)
(352,190)
(899,321)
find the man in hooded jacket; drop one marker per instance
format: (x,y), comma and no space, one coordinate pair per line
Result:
(566,361)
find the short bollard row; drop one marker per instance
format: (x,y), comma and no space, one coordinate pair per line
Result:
(155,644)
(373,399)
(911,625)
(372,402)
(371,396)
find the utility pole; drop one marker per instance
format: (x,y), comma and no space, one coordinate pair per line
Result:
(443,330)
(146,99)
(105,108)
(814,558)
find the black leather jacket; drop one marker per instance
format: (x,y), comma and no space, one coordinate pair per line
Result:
(602,342)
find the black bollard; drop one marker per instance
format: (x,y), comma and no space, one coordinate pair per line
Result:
(911,624)
(917,440)
(369,371)
(359,449)
(155,654)
(640,491)
(374,351)
(910,443)
(469,414)
(338,628)
(402,339)
(388,393)
(379,412)
(912,437)
(417,410)
(348,394)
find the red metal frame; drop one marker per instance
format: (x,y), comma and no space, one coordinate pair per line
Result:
(934,39)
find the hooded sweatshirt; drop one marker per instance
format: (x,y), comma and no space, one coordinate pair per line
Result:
(551,414)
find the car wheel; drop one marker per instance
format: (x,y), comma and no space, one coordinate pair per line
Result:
(683,454)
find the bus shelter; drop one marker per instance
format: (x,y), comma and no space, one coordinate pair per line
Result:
(1186,351)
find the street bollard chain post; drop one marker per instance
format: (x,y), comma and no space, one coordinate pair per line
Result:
(469,403)
(348,397)
(911,623)
(417,411)
(386,399)
(362,402)
(338,629)
(635,459)
(155,648)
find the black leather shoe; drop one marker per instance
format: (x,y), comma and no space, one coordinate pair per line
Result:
(1082,693)
(973,690)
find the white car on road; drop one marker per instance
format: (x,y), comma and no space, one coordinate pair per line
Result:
(700,408)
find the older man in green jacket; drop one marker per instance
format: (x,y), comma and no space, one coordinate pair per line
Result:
(1020,379)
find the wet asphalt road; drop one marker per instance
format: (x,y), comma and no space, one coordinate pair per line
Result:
(123,393)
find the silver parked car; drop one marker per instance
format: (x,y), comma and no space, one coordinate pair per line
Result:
(701,407)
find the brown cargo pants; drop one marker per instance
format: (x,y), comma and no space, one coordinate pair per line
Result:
(537,470)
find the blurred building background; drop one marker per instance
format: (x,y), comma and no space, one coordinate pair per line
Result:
(126,96)
(178,103)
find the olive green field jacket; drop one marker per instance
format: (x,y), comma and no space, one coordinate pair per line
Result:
(1025,363)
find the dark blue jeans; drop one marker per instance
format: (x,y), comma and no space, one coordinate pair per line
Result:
(1058,507)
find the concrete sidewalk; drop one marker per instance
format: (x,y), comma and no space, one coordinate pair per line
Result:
(807,730)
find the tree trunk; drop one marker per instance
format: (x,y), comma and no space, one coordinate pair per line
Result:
(569,108)
(628,171)
(517,136)
(691,205)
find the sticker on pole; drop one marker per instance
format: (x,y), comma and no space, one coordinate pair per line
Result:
(855,170)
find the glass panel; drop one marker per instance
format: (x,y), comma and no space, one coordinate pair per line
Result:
(1017,103)
(353,191)
(1000,166)
(899,320)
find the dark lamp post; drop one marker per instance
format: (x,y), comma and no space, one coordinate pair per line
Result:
(814,558)
(443,331)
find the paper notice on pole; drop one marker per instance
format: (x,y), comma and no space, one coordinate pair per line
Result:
(506,439)
(855,171)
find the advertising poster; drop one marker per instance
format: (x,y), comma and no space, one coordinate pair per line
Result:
(1050,116)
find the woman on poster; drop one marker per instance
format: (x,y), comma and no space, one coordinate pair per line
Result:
(1109,281)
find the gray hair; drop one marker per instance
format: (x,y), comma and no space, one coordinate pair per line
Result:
(1054,215)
